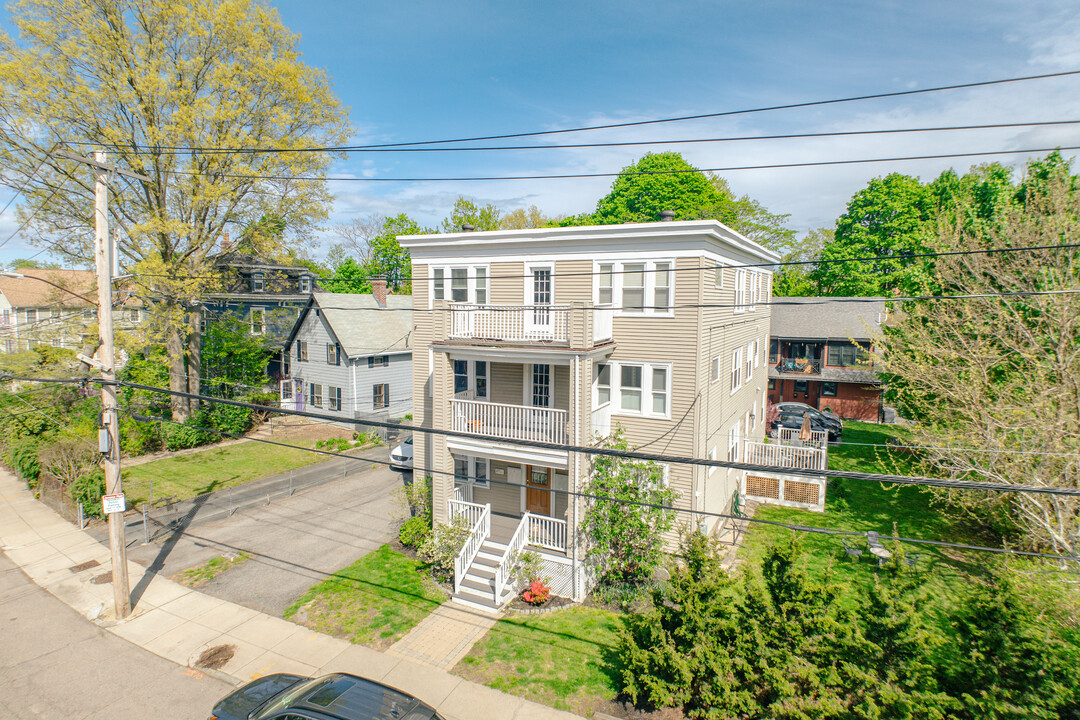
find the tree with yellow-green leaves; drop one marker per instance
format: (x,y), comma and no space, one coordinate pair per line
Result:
(161,85)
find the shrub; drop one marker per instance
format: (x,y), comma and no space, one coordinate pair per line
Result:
(88,490)
(138,438)
(537,594)
(527,567)
(191,434)
(415,531)
(230,419)
(441,548)
(22,456)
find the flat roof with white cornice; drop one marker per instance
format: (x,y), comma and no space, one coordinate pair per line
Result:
(684,234)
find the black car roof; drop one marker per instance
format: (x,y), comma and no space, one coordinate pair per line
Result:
(354,698)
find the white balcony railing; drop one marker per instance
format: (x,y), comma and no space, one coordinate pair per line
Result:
(480,530)
(510,323)
(510,557)
(602,322)
(787,456)
(547,532)
(790,436)
(509,422)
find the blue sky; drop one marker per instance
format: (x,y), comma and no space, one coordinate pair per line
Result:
(431,70)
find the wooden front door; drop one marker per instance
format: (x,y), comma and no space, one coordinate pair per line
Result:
(538,490)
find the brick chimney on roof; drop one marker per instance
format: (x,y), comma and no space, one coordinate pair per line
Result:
(378,289)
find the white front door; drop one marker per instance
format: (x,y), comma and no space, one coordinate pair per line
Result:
(539,322)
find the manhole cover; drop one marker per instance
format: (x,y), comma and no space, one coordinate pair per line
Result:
(84,566)
(102,578)
(215,658)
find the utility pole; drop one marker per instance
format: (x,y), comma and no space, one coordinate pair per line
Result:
(110,417)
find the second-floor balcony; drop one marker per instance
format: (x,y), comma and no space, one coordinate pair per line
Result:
(508,422)
(799,365)
(786,456)
(577,325)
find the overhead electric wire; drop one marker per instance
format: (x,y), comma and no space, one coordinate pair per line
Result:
(221,150)
(703,116)
(638,503)
(957,449)
(588,450)
(579,176)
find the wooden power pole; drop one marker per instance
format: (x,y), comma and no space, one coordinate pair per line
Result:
(110,416)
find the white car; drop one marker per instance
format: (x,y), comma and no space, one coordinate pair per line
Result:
(401,457)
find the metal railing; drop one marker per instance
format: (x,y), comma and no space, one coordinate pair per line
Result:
(480,531)
(547,532)
(509,422)
(510,556)
(799,366)
(510,323)
(787,456)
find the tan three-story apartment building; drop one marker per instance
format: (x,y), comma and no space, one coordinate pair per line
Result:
(557,336)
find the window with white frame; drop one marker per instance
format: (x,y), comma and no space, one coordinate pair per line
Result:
(258,282)
(736,369)
(715,371)
(754,353)
(460,284)
(315,395)
(748,367)
(286,389)
(753,417)
(480,368)
(31,315)
(602,372)
(333,354)
(752,292)
(733,443)
(301,351)
(471,470)
(470,375)
(305,283)
(740,290)
(639,287)
(333,395)
(746,424)
(766,293)
(644,388)
(257,325)
(718,277)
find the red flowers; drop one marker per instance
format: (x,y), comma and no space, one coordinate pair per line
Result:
(537,594)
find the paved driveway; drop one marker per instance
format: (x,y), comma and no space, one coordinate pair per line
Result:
(54,665)
(294,541)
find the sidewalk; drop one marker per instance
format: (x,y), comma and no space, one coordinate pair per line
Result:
(181,625)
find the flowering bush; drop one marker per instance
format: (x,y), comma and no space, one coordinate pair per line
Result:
(538,593)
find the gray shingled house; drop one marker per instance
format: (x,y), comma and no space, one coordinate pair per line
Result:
(350,355)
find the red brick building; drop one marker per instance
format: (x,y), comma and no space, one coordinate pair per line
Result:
(818,355)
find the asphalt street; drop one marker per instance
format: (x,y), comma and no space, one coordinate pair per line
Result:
(294,542)
(56,665)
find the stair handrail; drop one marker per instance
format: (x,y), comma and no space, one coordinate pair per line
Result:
(477,535)
(510,556)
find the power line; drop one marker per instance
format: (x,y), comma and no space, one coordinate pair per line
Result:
(146,149)
(703,116)
(588,450)
(960,449)
(638,503)
(579,176)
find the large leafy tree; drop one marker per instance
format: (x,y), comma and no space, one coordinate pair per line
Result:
(890,218)
(145,80)
(379,254)
(659,182)
(487,217)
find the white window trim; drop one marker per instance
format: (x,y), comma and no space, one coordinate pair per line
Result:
(470,282)
(649,297)
(748,365)
(596,387)
(714,369)
(755,354)
(529,267)
(733,443)
(739,298)
(736,369)
(251,320)
(646,389)
(471,471)
(527,385)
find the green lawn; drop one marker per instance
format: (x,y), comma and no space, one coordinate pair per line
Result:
(215,468)
(863,506)
(560,659)
(373,602)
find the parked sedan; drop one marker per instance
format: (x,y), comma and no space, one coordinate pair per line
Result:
(401,457)
(339,696)
(828,419)
(794,419)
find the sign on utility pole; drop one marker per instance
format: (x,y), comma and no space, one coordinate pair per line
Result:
(106,257)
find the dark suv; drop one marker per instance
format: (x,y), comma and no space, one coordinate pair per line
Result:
(339,696)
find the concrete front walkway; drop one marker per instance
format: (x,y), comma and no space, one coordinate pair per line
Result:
(180,624)
(443,637)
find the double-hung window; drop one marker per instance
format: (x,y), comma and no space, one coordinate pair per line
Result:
(640,287)
(714,373)
(301,351)
(31,315)
(733,443)
(480,377)
(460,284)
(438,284)
(740,290)
(380,395)
(748,363)
(305,283)
(333,395)
(315,395)
(257,325)
(643,389)
(480,290)
(471,470)
(333,354)
(461,376)
(752,293)
(258,282)
(286,389)
(603,384)
(736,369)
